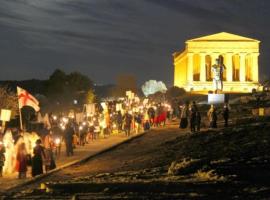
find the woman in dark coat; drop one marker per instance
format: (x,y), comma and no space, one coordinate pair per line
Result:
(37,163)
(69,133)
(193,112)
(119,121)
(127,123)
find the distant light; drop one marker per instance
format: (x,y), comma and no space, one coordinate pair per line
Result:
(75,101)
(63,127)
(57,141)
(65,120)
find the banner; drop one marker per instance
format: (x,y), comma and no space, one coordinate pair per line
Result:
(79,117)
(5,115)
(118,107)
(26,99)
(90,109)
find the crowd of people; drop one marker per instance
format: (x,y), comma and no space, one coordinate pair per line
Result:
(21,151)
(102,124)
(190,114)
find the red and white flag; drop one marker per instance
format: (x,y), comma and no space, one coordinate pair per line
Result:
(26,99)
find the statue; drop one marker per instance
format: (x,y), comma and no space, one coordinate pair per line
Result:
(217,70)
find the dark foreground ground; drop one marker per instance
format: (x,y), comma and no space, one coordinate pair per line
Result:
(169,163)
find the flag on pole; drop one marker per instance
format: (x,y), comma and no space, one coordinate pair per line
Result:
(26,99)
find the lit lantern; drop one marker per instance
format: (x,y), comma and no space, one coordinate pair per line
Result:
(65,120)
(57,141)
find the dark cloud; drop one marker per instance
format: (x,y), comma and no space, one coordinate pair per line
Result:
(103,38)
(195,8)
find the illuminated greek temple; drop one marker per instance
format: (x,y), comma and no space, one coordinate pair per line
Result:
(192,67)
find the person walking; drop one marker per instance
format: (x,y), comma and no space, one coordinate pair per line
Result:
(21,159)
(97,129)
(127,123)
(37,160)
(69,133)
(163,116)
(10,154)
(212,116)
(184,116)
(146,124)
(138,122)
(151,113)
(193,111)
(225,114)
(119,119)
(49,145)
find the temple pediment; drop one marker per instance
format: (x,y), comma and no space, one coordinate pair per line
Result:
(223,36)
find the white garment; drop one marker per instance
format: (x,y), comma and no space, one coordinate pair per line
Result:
(184,113)
(8,141)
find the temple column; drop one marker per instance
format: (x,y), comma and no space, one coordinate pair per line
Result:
(228,66)
(255,68)
(242,72)
(202,68)
(190,67)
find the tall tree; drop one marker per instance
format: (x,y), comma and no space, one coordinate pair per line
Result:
(64,89)
(79,82)
(174,92)
(90,97)
(57,82)
(8,100)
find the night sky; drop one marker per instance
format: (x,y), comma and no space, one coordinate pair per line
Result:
(103,38)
